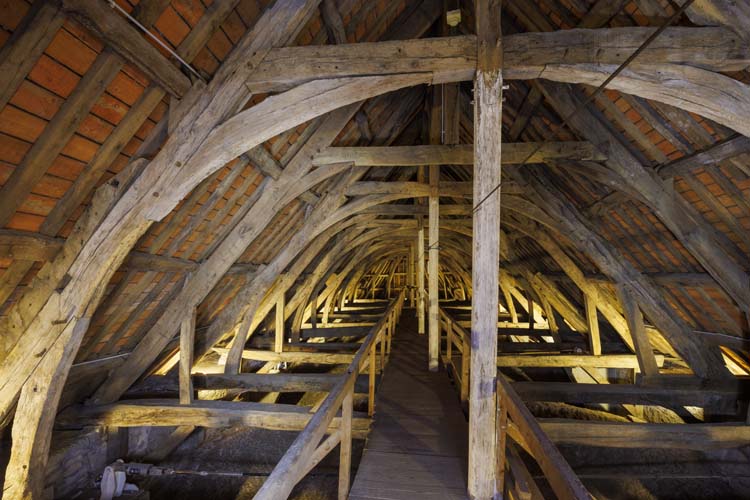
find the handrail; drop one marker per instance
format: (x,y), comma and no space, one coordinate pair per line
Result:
(456,336)
(515,421)
(307,449)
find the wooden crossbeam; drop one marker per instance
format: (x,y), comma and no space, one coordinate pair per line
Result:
(276,382)
(461,154)
(649,436)
(718,400)
(292,356)
(413,189)
(571,360)
(525,55)
(213,414)
(336,331)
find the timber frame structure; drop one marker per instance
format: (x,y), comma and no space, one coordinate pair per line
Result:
(195,195)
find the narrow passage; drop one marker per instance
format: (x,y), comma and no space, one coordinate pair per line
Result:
(417,448)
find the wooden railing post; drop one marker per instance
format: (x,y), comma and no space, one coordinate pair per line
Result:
(502,433)
(345,446)
(449,343)
(371,386)
(382,336)
(307,450)
(465,357)
(278,344)
(391,328)
(187,344)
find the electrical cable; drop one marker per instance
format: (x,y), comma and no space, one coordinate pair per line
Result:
(600,88)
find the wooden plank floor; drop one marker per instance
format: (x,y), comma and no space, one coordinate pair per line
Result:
(417,447)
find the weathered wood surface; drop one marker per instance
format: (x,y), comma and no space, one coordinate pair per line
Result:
(22,50)
(92,257)
(417,446)
(624,393)
(692,348)
(701,239)
(130,43)
(169,412)
(557,471)
(636,435)
(187,346)
(525,55)
(276,382)
(571,360)
(459,154)
(303,452)
(488,108)
(325,358)
(337,331)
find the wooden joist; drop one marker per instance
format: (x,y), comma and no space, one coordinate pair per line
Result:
(56,134)
(168,412)
(721,399)
(416,189)
(648,436)
(710,157)
(460,154)
(571,360)
(337,331)
(292,356)
(276,382)
(19,53)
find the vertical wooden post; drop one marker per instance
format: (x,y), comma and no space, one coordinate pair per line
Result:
(530,308)
(278,344)
(420,276)
(345,445)
(383,344)
(187,345)
(592,320)
(314,310)
(465,360)
(411,272)
(433,284)
(371,384)
(634,317)
(488,86)
(449,344)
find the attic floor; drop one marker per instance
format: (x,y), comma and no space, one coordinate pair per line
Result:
(417,447)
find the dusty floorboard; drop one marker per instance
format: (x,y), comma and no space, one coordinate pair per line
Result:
(417,446)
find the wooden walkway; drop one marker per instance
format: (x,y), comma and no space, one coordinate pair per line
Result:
(417,448)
